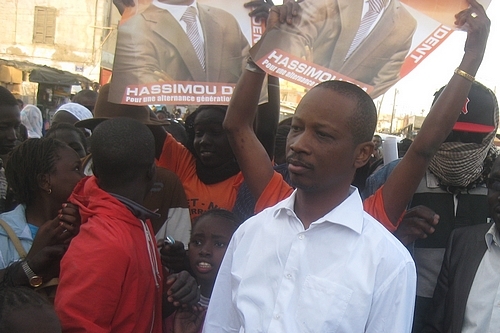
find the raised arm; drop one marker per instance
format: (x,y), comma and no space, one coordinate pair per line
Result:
(251,155)
(266,121)
(404,180)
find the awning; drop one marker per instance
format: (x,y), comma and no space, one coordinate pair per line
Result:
(54,76)
(46,74)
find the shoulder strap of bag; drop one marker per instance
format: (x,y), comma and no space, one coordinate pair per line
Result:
(15,240)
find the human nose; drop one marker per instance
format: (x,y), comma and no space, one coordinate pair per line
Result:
(205,139)
(298,143)
(205,250)
(11,134)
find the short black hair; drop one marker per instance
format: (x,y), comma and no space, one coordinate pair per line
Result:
(178,131)
(70,127)
(6,98)
(86,97)
(120,148)
(222,213)
(27,161)
(363,121)
(12,298)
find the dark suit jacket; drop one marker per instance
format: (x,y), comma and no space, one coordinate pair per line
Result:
(466,248)
(325,30)
(153,47)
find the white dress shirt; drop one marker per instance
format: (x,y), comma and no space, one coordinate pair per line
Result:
(177,11)
(345,273)
(482,312)
(366,6)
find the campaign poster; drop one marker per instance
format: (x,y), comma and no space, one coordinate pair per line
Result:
(165,55)
(350,40)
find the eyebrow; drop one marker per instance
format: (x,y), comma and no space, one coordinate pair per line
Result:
(212,235)
(219,236)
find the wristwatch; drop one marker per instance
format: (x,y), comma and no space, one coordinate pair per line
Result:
(34,280)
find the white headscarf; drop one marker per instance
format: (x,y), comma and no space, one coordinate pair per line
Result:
(31,118)
(79,111)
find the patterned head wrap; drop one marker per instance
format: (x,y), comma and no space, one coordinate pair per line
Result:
(461,164)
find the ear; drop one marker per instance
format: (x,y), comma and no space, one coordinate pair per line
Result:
(43,181)
(363,153)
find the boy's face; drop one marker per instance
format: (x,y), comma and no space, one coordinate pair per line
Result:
(209,240)
(10,120)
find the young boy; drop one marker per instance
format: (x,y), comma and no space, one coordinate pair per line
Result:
(111,278)
(210,237)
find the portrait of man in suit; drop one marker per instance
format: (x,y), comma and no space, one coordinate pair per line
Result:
(466,295)
(364,40)
(178,40)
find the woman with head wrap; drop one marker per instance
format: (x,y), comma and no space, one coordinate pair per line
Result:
(71,113)
(31,118)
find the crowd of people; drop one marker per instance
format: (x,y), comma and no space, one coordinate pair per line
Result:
(116,221)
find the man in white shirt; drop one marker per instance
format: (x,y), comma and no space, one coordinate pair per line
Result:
(178,40)
(366,40)
(467,294)
(316,262)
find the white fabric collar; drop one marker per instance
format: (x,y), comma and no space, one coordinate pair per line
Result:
(347,213)
(176,10)
(492,237)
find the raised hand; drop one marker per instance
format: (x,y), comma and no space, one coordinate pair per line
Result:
(260,8)
(418,222)
(477,24)
(284,13)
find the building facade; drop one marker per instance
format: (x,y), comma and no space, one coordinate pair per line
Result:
(65,35)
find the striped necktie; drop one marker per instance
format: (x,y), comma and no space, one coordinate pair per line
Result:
(375,7)
(193,34)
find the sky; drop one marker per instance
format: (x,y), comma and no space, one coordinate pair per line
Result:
(416,90)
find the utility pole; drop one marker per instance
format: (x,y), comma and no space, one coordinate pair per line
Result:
(379,105)
(393,108)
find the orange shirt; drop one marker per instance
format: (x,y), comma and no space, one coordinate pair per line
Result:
(277,189)
(201,197)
